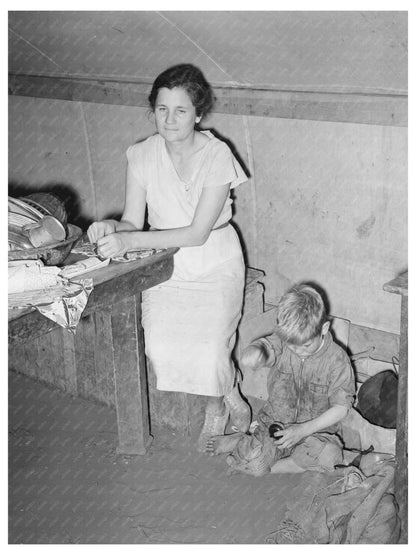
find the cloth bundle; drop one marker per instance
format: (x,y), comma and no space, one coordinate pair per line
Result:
(31,275)
(31,284)
(344,507)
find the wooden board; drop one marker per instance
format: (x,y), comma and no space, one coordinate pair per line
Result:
(399,286)
(374,109)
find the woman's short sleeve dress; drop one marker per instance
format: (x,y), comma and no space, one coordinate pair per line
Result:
(190,321)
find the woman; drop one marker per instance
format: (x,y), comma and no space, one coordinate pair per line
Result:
(184,176)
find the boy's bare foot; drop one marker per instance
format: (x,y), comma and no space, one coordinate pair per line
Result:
(218,445)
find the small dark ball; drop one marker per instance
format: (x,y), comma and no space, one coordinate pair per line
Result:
(275,427)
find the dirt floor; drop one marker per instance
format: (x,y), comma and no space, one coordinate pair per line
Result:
(67,484)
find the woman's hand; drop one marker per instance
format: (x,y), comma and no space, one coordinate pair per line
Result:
(115,244)
(100,229)
(290,436)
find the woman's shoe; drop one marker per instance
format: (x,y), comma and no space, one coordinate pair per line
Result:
(240,412)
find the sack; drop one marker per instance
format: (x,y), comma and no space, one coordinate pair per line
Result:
(353,509)
(377,399)
(358,433)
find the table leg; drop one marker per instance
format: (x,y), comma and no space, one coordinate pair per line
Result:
(130,378)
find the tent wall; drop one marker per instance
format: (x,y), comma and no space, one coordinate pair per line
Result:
(314,105)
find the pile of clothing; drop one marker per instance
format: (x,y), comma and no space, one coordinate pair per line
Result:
(352,505)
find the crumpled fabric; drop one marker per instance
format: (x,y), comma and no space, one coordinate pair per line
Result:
(31,284)
(67,310)
(255,453)
(346,507)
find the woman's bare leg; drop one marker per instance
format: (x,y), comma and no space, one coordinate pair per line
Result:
(240,411)
(216,417)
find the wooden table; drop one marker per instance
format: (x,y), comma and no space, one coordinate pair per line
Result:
(399,286)
(115,303)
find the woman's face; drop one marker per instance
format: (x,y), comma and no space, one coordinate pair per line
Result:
(175,114)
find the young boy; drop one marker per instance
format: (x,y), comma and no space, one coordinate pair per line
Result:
(310,386)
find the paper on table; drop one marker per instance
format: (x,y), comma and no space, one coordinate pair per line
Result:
(67,310)
(83,266)
(135,255)
(64,303)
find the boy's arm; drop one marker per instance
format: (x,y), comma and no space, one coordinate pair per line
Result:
(340,399)
(328,418)
(342,386)
(262,352)
(296,432)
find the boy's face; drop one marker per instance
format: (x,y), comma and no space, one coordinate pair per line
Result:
(311,346)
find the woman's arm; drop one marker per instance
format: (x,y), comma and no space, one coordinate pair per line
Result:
(209,208)
(107,227)
(134,205)
(133,214)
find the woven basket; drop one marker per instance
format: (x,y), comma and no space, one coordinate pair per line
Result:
(51,255)
(49,204)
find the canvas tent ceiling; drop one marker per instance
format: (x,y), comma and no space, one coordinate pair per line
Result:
(299,51)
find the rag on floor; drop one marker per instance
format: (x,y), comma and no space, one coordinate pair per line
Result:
(345,507)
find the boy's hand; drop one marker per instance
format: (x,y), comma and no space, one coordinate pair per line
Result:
(291,435)
(253,357)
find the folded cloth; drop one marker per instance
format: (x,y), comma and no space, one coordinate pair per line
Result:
(30,275)
(31,284)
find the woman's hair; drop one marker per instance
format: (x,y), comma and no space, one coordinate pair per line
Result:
(192,80)
(301,313)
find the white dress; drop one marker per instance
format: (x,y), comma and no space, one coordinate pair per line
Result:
(190,321)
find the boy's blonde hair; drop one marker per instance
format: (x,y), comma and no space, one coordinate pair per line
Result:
(301,314)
